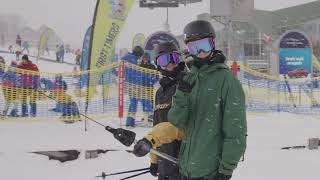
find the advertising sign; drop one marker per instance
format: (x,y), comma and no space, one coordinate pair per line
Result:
(295,55)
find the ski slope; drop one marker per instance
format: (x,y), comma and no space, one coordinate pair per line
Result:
(264,159)
(45,65)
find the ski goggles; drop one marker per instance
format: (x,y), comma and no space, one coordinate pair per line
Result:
(164,59)
(201,45)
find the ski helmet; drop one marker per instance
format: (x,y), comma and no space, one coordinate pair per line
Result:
(166,47)
(197,30)
(138,51)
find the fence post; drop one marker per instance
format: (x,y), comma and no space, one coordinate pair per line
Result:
(121,74)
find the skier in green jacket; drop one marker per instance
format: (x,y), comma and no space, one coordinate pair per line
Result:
(208,113)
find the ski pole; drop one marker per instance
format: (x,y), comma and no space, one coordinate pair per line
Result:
(104,175)
(164,156)
(125,137)
(135,175)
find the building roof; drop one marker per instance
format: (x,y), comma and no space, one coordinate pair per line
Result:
(270,21)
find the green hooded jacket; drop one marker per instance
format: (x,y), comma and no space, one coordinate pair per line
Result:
(213,117)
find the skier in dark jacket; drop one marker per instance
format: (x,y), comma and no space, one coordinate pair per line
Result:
(208,113)
(149,78)
(171,67)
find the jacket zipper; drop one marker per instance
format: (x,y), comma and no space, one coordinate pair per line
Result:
(194,125)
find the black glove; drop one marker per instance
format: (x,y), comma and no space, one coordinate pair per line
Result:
(154,169)
(142,147)
(183,85)
(220,176)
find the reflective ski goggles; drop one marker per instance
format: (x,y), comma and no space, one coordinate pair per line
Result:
(164,59)
(201,45)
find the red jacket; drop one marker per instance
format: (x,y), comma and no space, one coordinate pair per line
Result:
(234,68)
(29,79)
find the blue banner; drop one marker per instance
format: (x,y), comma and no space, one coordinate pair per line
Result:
(295,60)
(85,57)
(295,55)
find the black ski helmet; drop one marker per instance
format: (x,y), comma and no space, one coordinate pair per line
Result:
(138,51)
(197,30)
(166,47)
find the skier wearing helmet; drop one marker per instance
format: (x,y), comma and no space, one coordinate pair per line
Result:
(207,113)
(171,66)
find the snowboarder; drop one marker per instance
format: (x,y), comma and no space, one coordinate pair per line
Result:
(208,113)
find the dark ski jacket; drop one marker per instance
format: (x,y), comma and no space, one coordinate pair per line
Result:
(149,78)
(162,106)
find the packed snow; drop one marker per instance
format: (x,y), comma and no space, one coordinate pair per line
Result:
(264,159)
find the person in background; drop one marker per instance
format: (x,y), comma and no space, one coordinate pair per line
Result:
(57,50)
(61,53)
(234,68)
(18,51)
(18,40)
(69,108)
(133,78)
(10,48)
(59,86)
(29,85)
(149,78)
(2,67)
(78,56)
(25,47)
(10,83)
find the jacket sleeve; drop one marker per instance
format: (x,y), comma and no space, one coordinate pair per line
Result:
(234,125)
(179,112)
(164,133)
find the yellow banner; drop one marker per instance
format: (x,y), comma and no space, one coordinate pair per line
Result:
(108,21)
(45,36)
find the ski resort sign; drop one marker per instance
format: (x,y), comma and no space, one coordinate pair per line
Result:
(295,54)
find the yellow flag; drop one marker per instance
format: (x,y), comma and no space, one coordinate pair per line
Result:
(108,22)
(45,36)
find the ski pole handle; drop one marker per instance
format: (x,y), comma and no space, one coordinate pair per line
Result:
(163,155)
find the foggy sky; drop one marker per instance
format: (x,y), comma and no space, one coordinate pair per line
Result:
(70,18)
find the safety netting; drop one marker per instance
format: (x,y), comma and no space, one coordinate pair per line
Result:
(121,90)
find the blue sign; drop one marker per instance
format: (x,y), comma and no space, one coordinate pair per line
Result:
(295,55)
(295,59)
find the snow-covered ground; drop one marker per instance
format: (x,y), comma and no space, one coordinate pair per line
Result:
(264,159)
(45,65)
